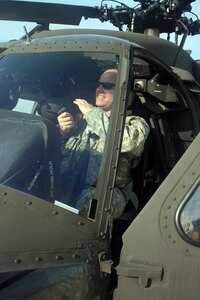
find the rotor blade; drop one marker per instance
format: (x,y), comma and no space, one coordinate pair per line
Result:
(45,13)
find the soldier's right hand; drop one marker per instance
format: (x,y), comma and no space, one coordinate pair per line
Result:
(65,122)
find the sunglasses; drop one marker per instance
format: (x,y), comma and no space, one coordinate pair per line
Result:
(106,85)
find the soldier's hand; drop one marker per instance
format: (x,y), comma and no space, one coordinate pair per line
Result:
(66,122)
(83,105)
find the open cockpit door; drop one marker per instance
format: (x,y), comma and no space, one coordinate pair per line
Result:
(43,233)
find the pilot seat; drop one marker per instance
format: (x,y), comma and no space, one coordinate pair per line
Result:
(30,154)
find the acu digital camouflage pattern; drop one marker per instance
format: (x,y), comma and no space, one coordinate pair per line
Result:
(82,151)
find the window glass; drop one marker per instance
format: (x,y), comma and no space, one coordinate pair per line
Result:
(53,157)
(190,217)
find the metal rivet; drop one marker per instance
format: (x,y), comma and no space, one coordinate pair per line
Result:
(17,261)
(38,259)
(75,255)
(55,213)
(28,202)
(58,257)
(80,223)
(102,235)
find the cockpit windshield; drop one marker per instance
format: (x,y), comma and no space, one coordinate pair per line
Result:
(40,158)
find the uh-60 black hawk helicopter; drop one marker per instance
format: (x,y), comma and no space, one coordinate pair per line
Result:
(48,249)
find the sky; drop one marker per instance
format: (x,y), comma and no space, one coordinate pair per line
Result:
(13,30)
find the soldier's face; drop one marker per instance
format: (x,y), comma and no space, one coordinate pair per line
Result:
(105,90)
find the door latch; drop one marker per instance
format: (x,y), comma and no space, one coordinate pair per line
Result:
(146,273)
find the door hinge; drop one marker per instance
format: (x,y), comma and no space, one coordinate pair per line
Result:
(145,273)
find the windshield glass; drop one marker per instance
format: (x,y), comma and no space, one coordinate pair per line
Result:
(54,124)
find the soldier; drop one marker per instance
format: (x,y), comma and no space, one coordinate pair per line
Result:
(84,139)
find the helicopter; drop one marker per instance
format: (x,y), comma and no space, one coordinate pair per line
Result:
(49,250)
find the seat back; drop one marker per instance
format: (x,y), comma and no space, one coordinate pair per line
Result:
(30,154)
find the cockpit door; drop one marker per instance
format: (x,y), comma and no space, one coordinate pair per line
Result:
(36,235)
(160,258)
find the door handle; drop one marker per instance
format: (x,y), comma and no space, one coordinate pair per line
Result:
(146,273)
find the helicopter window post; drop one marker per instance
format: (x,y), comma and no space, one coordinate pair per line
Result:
(106,182)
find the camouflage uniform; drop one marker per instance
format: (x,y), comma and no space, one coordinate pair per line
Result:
(82,153)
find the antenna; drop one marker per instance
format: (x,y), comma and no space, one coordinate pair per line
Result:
(27,35)
(186,31)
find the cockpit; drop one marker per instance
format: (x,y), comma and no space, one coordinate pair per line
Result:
(39,80)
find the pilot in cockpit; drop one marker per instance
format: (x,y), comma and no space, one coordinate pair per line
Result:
(84,138)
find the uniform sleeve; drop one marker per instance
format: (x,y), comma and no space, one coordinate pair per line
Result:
(135,134)
(98,122)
